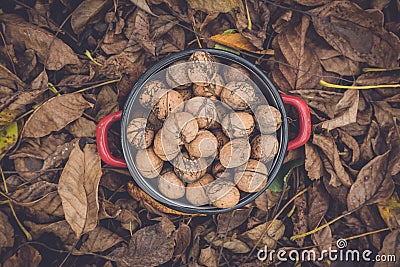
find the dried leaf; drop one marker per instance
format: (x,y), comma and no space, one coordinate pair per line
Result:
(232,243)
(85,12)
(369,216)
(55,114)
(318,204)
(391,246)
(357,34)
(208,257)
(297,66)
(78,188)
(313,163)
(239,42)
(182,239)
(51,51)
(268,233)
(230,220)
(299,218)
(373,184)
(390,211)
(25,256)
(141,31)
(210,6)
(6,232)
(122,211)
(82,127)
(149,246)
(323,237)
(312,2)
(142,4)
(97,240)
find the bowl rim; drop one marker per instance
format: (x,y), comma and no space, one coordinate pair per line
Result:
(137,177)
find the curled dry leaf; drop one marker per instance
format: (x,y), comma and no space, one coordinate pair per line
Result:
(85,12)
(230,220)
(229,242)
(149,246)
(6,232)
(208,257)
(25,256)
(55,114)
(210,6)
(141,31)
(313,163)
(239,42)
(78,188)
(267,233)
(357,34)
(182,239)
(391,246)
(318,204)
(98,240)
(51,51)
(373,184)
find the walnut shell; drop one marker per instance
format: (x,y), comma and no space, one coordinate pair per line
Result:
(167,104)
(180,127)
(238,95)
(164,148)
(235,73)
(268,119)
(238,124)
(171,186)
(176,75)
(186,93)
(189,170)
(264,147)
(217,169)
(203,109)
(235,153)
(148,163)
(221,138)
(204,145)
(196,193)
(251,177)
(223,193)
(139,134)
(202,68)
(211,89)
(152,91)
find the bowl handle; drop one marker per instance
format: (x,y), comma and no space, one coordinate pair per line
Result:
(102,140)
(304,120)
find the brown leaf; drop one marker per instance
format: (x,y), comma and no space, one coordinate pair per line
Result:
(6,232)
(312,2)
(141,31)
(55,114)
(230,220)
(210,6)
(391,246)
(149,246)
(85,12)
(232,243)
(98,240)
(78,188)
(82,127)
(357,34)
(25,256)
(328,146)
(299,218)
(323,237)
(373,184)
(297,65)
(313,163)
(369,216)
(51,51)
(345,111)
(182,239)
(9,82)
(208,257)
(268,233)
(239,42)
(142,4)
(318,204)
(351,143)
(122,211)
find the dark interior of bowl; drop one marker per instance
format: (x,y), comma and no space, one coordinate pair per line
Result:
(267,89)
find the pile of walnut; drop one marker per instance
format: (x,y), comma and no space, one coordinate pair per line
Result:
(193,147)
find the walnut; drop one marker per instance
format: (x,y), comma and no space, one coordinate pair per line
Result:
(138,134)
(153,121)
(221,138)
(235,73)
(204,110)
(188,169)
(201,69)
(217,169)
(171,186)
(167,103)
(211,89)
(238,95)
(264,147)
(152,91)
(186,94)
(176,75)
(235,153)
(204,145)
(268,119)
(238,124)
(164,148)
(251,177)
(180,128)
(223,193)
(148,163)
(196,192)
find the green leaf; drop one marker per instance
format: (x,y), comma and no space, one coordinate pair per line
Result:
(283,174)
(8,138)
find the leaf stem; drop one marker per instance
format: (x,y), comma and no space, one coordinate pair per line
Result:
(358,87)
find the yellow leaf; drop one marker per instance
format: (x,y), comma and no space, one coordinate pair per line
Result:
(8,138)
(390,211)
(239,42)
